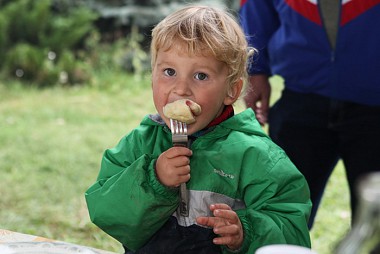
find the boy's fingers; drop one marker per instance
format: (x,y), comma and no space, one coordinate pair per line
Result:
(228,215)
(224,230)
(178,151)
(213,207)
(214,222)
(181,161)
(208,221)
(224,240)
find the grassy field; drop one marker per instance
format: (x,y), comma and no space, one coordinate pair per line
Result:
(51,143)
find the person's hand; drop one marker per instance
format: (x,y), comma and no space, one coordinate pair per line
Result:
(173,166)
(226,224)
(257,97)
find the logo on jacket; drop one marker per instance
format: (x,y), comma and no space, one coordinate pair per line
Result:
(222,173)
(350,9)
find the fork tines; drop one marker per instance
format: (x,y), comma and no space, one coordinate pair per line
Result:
(179,133)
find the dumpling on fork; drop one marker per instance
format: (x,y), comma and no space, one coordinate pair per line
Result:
(182,110)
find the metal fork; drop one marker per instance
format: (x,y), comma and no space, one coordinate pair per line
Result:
(179,138)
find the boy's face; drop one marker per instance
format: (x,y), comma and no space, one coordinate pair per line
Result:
(202,79)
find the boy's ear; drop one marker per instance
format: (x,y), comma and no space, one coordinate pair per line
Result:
(234,92)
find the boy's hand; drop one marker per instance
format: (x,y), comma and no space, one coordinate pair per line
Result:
(173,166)
(226,224)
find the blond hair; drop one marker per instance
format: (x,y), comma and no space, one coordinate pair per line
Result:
(204,30)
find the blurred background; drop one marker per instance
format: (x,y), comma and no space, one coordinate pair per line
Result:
(74,79)
(53,42)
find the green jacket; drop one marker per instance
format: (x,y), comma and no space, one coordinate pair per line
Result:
(236,163)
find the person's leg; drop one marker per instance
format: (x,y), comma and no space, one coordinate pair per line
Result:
(359,133)
(299,124)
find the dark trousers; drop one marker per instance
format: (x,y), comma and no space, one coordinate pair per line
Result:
(316,132)
(175,239)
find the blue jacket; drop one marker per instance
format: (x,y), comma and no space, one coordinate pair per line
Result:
(292,43)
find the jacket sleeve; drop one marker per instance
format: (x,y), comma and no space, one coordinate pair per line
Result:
(127,201)
(277,204)
(259,21)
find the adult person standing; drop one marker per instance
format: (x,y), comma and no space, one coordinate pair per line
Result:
(327,52)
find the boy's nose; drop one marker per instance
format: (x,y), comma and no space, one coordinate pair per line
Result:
(182,87)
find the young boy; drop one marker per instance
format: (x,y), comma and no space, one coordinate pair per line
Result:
(244,191)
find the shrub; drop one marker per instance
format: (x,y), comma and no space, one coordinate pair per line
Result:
(3,36)
(40,45)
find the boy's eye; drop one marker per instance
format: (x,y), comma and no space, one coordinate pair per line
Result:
(169,72)
(201,76)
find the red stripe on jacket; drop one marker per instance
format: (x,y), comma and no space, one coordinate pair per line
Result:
(354,8)
(306,9)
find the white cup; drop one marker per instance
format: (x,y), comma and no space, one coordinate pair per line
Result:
(284,249)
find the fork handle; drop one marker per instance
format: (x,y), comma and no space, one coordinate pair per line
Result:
(183,194)
(181,144)
(184,200)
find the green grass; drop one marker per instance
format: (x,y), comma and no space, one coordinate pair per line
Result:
(51,143)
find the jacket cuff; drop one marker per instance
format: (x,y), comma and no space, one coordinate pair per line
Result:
(158,187)
(247,237)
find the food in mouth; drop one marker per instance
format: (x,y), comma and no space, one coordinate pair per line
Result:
(182,110)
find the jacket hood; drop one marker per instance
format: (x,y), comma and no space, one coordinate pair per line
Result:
(244,122)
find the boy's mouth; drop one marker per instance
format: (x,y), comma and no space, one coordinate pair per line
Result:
(183,110)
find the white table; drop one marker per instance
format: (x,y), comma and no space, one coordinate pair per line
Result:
(7,236)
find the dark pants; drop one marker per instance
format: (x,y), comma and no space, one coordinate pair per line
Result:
(175,239)
(316,132)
